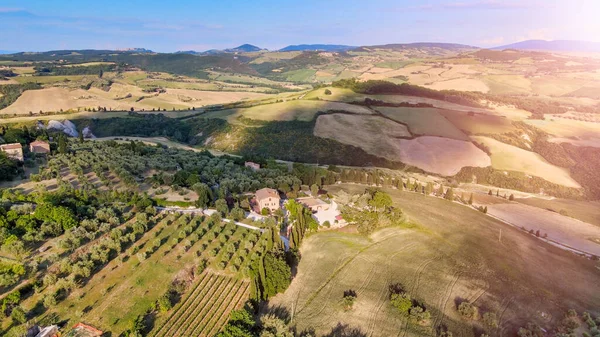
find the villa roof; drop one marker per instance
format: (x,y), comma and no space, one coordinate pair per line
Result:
(264,193)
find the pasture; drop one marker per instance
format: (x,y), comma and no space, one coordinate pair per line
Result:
(512,158)
(567,128)
(424,122)
(446,254)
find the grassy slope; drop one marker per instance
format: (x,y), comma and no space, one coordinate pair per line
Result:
(454,255)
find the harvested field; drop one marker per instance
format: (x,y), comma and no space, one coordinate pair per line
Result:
(460,84)
(565,230)
(512,158)
(478,123)
(424,121)
(453,253)
(586,211)
(567,128)
(373,134)
(441,155)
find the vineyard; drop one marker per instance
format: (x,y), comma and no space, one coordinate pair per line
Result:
(205,310)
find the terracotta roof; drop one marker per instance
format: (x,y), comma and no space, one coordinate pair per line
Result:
(39,142)
(310,201)
(12,146)
(264,193)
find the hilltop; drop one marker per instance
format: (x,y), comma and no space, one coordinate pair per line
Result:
(555,45)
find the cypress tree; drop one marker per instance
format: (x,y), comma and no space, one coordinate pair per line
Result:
(471,199)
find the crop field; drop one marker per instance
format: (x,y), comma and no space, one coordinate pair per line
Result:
(479,123)
(441,155)
(562,127)
(303,110)
(586,211)
(206,308)
(424,121)
(462,84)
(512,158)
(373,134)
(587,141)
(126,286)
(50,79)
(446,254)
(566,230)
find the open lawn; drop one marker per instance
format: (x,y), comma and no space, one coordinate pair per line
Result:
(451,254)
(512,158)
(424,122)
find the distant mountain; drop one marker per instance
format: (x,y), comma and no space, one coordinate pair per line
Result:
(245,48)
(322,47)
(556,45)
(135,50)
(3,52)
(399,46)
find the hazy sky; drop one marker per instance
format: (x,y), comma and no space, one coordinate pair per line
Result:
(166,26)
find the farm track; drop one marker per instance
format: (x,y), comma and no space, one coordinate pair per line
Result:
(185,304)
(384,293)
(233,304)
(444,300)
(501,316)
(207,306)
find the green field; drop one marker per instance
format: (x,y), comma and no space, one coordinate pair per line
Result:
(303,110)
(449,254)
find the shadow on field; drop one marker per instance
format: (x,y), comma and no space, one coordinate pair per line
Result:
(344,330)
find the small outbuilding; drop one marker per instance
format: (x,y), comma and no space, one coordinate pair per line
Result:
(252,165)
(314,204)
(39,146)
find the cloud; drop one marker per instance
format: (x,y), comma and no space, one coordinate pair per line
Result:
(476,5)
(10,10)
(536,34)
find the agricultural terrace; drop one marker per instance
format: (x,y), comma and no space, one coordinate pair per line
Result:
(442,255)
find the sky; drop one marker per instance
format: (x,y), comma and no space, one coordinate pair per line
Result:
(168,26)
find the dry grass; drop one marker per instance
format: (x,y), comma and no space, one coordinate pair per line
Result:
(460,84)
(591,141)
(567,128)
(453,254)
(512,158)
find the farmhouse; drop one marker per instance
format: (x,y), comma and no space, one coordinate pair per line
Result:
(39,147)
(252,165)
(49,331)
(267,198)
(314,204)
(14,150)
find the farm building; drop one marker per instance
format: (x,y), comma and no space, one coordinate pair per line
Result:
(314,204)
(252,165)
(14,150)
(83,330)
(267,198)
(39,147)
(49,331)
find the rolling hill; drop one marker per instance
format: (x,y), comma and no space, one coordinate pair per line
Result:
(555,45)
(314,47)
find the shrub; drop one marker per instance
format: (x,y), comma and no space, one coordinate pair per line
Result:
(402,302)
(490,320)
(467,310)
